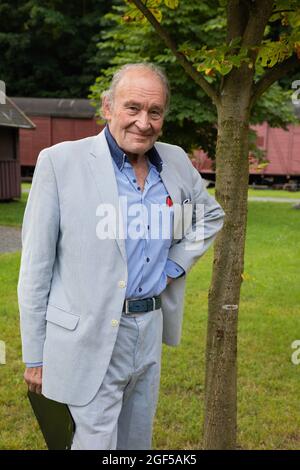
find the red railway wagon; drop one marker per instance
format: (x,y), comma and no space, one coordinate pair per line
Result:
(56,120)
(282,151)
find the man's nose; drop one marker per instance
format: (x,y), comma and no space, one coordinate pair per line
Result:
(143,121)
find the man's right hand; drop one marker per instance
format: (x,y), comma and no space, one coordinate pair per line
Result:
(33,377)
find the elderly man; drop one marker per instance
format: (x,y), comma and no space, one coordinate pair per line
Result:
(102,276)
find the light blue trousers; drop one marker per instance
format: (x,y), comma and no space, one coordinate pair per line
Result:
(121,414)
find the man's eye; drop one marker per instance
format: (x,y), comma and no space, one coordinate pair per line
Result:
(133,108)
(155,114)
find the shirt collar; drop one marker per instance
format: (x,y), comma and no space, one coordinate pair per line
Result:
(120,157)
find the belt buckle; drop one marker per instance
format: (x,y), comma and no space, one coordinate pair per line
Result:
(153,303)
(126,307)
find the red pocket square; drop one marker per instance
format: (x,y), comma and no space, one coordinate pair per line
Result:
(169,201)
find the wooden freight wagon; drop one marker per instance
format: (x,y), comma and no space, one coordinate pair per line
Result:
(282,151)
(56,120)
(11,120)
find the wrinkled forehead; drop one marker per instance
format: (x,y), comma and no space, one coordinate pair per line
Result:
(141,85)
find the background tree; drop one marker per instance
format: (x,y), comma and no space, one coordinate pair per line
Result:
(192,119)
(261,46)
(47,47)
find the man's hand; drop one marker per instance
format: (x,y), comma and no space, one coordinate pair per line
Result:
(33,377)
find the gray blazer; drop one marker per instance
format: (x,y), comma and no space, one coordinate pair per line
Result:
(72,285)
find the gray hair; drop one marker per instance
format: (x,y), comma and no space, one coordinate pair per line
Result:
(109,94)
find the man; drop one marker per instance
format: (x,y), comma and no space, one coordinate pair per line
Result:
(97,295)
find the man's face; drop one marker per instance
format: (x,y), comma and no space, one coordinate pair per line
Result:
(136,115)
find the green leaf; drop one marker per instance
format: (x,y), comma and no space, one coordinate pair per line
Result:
(171,4)
(157,13)
(134,14)
(273,52)
(224,68)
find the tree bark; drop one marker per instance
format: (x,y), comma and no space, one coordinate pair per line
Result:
(231,191)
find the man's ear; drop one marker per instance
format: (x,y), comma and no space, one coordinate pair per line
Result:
(105,108)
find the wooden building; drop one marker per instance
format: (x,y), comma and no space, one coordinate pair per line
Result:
(56,120)
(11,120)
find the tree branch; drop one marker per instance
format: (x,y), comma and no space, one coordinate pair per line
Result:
(188,67)
(260,13)
(237,18)
(272,75)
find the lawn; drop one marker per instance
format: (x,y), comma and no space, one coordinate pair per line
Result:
(273,193)
(11,212)
(278,193)
(269,321)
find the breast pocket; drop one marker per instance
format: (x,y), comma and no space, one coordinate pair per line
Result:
(61,317)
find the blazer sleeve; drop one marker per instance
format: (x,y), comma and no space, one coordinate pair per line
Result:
(207,218)
(40,231)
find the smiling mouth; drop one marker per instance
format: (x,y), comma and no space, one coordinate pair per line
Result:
(138,136)
(141,136)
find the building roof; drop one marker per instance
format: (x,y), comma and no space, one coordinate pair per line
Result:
(56,107)
(12,116)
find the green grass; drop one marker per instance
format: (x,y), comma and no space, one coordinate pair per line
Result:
(269,321)
(11,212)
(26,185)
(268,193)
(273,193)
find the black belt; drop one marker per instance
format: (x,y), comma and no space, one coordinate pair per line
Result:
(141,305)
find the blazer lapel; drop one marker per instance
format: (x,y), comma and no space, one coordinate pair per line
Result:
(100,162)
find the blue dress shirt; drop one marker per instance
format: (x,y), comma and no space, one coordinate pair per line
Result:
(147,258)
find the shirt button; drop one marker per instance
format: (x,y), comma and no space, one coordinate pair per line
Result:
(134,180)
(138,188)
(122,284)
(148,259)
(114,323)
(140,289)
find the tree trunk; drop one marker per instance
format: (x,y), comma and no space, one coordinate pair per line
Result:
(220,419)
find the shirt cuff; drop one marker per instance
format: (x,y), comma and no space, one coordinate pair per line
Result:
(34,364)
(173,269)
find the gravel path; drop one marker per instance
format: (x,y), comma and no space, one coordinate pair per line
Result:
(10,239)
(273,199)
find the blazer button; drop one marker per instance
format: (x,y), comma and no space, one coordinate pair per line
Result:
(122,284)
(114,323)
